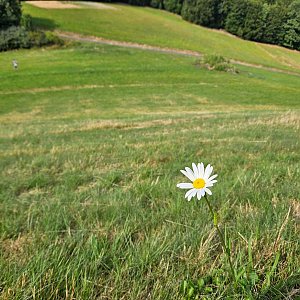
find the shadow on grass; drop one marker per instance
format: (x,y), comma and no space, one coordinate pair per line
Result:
(42,23)
(287,289)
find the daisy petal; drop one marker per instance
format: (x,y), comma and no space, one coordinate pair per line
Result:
(191,195)
(211,182)
(207,172)
(208,191)
(212,177)
(195,169)
(185,185)
(188,193)
(199,194)
(202,192)
(201,170)
(191,173)
(185,173)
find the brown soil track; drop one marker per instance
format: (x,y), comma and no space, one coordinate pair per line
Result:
(99,40)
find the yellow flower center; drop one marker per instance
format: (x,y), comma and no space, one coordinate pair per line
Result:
(199,183)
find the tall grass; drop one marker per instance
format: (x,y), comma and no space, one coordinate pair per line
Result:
(92,141)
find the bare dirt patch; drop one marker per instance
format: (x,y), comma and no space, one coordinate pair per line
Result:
(15,248)
(53,4)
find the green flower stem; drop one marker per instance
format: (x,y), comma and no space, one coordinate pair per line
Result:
(225,248)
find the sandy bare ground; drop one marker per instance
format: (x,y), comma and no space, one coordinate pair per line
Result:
(99,40)
(64,4)
(96,5)
(53,4)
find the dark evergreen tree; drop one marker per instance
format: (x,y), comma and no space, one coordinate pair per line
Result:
(277,17)
(225,7)
(157,4)
(139,2)
(10,13)
(255,21)
(292,26)
(236,17)
(202,12)
(174,6)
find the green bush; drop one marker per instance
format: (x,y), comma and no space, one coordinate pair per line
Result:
(14,38)
(40,38)
(37,38)
(17,37)
(216,63)
(53,39)
(26,22)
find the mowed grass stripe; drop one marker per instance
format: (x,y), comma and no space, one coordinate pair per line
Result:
(48,77)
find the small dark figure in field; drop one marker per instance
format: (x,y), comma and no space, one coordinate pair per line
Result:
(15,64)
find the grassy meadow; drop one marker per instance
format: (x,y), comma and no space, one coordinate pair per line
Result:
(160,28)
(92,138)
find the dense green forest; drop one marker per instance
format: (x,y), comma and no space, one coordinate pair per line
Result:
(269,21)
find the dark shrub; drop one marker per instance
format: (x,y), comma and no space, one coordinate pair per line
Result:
(17,37)
(40,38)
(216,63)
(26,22)
(13,38)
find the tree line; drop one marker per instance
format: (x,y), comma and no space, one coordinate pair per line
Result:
(274,22)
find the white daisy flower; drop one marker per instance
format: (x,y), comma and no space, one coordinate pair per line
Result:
(201,180)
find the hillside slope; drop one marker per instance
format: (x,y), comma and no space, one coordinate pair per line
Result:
(92,138)
(160,28)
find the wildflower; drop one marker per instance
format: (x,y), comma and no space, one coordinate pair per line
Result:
(201,180)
